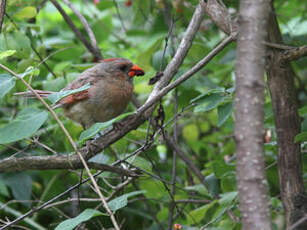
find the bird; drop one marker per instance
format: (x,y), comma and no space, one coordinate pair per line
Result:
(110,90)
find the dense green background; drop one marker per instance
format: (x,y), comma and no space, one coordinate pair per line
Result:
(205,128)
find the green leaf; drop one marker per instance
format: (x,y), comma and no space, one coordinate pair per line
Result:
(3,189)
(227,198)
(82,217)
(197,215)
(209,92)
(29,71)
(213,184)
(301,137)
(26,124)
(98,127)
(210,102)
(27,12)
(7,82)
(141,163)
(224,111)
(20,184)
(100,158)
(7,53)
(201,189)
(55,97)
(302,111)
(122,200)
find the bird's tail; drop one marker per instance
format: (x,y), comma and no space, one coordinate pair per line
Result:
(30,94)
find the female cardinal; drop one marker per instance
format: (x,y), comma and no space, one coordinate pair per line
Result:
(111,88)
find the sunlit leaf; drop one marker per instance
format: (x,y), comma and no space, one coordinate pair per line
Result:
(86,215)
(7,82)
(25,125)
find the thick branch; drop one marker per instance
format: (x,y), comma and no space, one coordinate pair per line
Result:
(288,125)
(294,54)
(55,162)
(249,114)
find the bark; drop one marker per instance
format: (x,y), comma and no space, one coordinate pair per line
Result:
(287,123)
(249,114)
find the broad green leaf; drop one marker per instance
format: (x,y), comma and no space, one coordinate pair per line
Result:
(154,189)
(27,12)
(122,201)
(200,189)
(26,124)
(303,111)
(212,184)
(20,184)
(227,198)
(55,97)
(7,82)
(224,111)
(7,53)
(16,41)
(29,71)
(98,127)
(209,102)
(211,91)
(197,215)
(82,217)
(220,167)
(141,163)
(157,60)
(100,158)
(3,189)
(301,137)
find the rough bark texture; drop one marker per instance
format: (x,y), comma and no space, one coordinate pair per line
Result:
(287,123)
(249,113)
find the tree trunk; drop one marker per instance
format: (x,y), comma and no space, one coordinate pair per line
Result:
(249,114)
(288,125)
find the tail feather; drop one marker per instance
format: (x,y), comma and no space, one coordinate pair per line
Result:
(30,94)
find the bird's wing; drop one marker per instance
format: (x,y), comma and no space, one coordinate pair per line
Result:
(85,78)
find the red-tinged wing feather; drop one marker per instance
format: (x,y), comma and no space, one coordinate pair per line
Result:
(73,98)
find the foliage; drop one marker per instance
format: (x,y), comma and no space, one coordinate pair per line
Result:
(205,105)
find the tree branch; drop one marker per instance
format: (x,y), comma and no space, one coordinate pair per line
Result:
(2,12)
(87,28)
(96,52)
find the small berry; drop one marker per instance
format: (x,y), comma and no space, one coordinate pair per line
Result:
(177,227)
(128,3)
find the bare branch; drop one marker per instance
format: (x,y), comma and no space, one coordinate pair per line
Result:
(86,27)
(294,54)
(170,141)
(2,12)
(96,53)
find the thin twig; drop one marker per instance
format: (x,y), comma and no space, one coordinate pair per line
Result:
(71,142)
(86,27)
(174,169)
(154,97)
(2,12)
(77,31)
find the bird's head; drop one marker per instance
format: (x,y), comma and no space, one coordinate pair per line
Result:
(122,66)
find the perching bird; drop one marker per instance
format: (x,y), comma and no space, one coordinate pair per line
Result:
(111,88)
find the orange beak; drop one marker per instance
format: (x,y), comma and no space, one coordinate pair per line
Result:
(136,71)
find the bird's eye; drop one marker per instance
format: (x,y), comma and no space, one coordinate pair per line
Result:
(123,67)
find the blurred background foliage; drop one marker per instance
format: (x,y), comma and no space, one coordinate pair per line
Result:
(136,30)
